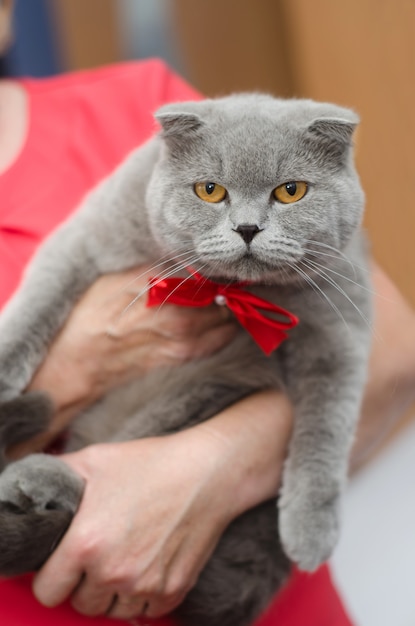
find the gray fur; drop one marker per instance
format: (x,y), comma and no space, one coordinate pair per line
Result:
(308,257)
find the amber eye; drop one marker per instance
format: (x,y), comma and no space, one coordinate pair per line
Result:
(290,192)
(210,192)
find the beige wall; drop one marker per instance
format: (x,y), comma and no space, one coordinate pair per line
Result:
(235,45)
(87,31)
(362,53)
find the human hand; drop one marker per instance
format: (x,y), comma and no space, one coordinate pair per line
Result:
(390,390)
(129,547)
(154,509)
(102,345)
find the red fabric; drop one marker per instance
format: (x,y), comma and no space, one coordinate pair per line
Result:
(248,308)
(81,126)
(307,600)
(18,607)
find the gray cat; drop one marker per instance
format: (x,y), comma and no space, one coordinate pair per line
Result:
(245,188)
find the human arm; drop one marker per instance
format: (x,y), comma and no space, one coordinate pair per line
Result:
(390,390)
(103,345)
(149,541)
(85,361)
(99,349)
(392,379)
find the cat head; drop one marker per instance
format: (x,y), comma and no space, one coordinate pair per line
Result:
(248,184)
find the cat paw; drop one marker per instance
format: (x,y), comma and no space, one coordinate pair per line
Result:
(309,531)
(38,498)
(7,392)
(41,482)
(24,417)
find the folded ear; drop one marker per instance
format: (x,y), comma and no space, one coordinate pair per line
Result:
(179,123)
(332,133)
(334,130)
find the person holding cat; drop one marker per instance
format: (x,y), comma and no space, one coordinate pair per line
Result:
(208,474)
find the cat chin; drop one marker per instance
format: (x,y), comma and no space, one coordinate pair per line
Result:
(252,270)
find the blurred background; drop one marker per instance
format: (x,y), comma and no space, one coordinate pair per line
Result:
(359,53)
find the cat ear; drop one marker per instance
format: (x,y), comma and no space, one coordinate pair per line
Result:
(332,136)
(178,124)
(334,130)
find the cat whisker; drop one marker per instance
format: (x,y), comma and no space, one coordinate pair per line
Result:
(337,253)
(334,284)
(320,254)
(159,263)
(149,270)
(212,252)
(288,275)
(321,293)
(166,274)
(326,245)
(329,269)
(219,238)
(185,279)
(319,266)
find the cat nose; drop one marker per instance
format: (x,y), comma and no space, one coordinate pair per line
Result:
(247,231)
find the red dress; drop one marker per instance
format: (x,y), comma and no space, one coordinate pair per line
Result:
(81,126)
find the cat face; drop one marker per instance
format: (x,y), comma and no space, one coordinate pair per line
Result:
(248,184)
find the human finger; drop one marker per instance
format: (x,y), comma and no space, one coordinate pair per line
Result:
(91,599)
(54,583)
(159,606)
(144,606)
(128,607)
(170,321)
(204,344)
(122,297)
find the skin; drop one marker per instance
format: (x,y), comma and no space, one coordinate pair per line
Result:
(390,390)
(185,491)
(234,453)
(240,453)
(147,557)
(101,347)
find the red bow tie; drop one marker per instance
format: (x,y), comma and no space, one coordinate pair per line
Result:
(247,308)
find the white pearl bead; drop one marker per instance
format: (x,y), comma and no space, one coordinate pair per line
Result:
(220,299)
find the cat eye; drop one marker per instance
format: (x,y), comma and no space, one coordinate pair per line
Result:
(290,192)
(210,192)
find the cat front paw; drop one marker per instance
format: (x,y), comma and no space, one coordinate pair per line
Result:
(38,497)
(7,391)
(14,372)
(24,417)
(309,530)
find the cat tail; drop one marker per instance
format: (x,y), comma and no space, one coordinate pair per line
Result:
(23,417)
(27,539)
